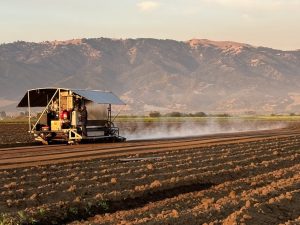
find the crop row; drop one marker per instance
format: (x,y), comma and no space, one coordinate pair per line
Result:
(168,160)
(38,192)
(254,200)
(147,172)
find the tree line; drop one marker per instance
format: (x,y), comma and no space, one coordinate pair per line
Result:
(179,114)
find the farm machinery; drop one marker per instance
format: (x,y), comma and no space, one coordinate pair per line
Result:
(60,119)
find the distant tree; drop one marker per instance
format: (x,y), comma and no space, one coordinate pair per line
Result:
(22,114)
(292,114)
(2,114)
(155,114)
(199,114)
(174,114)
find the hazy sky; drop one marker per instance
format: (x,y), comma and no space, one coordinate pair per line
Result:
(272,23)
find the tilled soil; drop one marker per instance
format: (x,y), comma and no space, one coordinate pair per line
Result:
(16,134)
(12,134)
(250,178)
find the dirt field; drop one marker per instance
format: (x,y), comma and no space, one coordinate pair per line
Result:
(243,178)
(14,134)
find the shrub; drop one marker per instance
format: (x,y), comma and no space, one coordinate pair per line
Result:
(155,114)
(199,114)
(174,114)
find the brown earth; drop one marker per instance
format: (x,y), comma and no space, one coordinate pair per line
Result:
(242,178)
(16,134)
(13,134)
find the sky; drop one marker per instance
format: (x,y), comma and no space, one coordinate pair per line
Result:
(269,23)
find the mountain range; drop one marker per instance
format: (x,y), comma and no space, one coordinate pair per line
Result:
(158,75)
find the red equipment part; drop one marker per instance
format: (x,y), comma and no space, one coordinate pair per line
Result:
(64,115)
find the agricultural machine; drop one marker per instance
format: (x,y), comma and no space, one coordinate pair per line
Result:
(60,119)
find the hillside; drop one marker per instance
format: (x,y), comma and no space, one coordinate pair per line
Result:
(164,75)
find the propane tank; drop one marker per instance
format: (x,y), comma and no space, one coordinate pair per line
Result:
(74,118)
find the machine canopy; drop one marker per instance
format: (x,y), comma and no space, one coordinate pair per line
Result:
(41,96)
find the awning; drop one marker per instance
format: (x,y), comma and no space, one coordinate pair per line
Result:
(41,96)
(99,97)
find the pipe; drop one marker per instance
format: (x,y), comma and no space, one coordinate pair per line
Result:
(59,104)
(109,114)
(29,112)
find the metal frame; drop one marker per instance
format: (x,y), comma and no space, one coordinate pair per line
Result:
(30,130)
(71,133)
(29,113)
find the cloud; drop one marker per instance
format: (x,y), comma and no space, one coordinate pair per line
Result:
(147,6)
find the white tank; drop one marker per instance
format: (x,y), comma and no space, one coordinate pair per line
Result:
(74,118)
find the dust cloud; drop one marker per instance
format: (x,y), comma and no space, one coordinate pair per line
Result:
(163,129)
